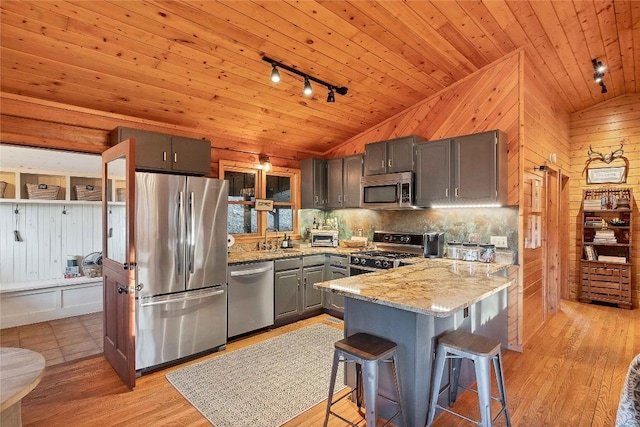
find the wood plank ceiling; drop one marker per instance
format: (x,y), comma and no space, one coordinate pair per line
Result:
(197,64)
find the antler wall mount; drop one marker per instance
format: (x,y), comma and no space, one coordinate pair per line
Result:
(609,174)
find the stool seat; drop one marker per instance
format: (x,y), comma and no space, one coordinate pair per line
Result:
(458,345)
(366,351)
(365,346)
(470,343)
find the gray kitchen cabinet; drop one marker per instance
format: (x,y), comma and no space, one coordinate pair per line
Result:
(313,187)
(433,172)
(159,152)
(337,268)
(295,296)
(343,181)
(469,169)
(394,155)
(287,281)
(312,298)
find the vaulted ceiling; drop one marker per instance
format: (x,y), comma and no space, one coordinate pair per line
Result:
(198,64)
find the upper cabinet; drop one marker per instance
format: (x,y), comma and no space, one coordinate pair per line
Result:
(313,187)
(394,155)
(343,181)
(465,170)
(167,153)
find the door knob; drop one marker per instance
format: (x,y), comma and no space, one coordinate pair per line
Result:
(122,289)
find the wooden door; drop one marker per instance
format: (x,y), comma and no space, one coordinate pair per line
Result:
(118,260)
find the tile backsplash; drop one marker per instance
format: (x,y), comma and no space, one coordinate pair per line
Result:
(458,224)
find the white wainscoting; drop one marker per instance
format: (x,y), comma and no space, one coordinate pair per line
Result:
(32,283)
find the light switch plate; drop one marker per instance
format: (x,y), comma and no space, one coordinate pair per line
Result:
(499,241)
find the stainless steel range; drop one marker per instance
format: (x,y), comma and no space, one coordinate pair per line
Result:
(392,248)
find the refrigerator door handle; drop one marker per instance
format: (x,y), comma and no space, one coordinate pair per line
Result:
(190,234)
(179,243)
(162,301)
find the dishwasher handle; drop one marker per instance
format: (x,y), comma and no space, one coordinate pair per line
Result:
(241,273)
(153,302)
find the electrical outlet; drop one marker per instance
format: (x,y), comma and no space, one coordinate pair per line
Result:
(499,241)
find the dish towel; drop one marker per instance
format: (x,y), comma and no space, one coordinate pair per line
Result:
(629,407)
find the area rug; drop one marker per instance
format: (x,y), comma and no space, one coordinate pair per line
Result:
(265,384)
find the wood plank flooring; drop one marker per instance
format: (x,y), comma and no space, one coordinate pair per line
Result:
(570,374)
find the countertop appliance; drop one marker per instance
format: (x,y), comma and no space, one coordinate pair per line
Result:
(434,245)
(251,297)
(324,238)
(389,191)
(392,248)
(181,254)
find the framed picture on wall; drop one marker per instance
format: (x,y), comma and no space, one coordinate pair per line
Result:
(536,189)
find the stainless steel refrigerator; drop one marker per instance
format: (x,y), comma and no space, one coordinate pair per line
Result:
(181,267)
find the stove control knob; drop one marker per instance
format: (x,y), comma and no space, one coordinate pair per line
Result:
(386,264)
(363,261)
(354,260)
(405,239)
(378,262)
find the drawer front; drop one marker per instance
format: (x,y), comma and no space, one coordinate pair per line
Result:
(310,260)
(287,264)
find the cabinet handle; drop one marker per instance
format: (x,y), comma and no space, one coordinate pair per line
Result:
(389,162)
(298,282)
(382,163)
(175,157)
(339,199)
(457,192)
(316,199)
(164,156)
(446,192)
(344,198)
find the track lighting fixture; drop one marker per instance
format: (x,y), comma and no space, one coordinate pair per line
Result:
(598,74)
(275,75)
(307,87)
(330,96)
(308,90)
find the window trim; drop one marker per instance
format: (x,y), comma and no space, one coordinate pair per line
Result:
(261,191)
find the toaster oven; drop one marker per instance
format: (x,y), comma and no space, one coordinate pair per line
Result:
(324,238)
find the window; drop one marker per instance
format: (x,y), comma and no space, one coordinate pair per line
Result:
(248,182)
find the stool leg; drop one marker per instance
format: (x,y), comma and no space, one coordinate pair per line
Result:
(370,379)
(454,379)
(397,380)
(497,366)
(332,384)
(483,379)
(358,386)
(435,384)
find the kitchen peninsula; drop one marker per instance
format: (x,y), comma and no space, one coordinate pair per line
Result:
(415,304)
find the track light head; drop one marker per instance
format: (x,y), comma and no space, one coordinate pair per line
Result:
(275,75)
(331,96)
(598,66)
(604,88)
(308,90)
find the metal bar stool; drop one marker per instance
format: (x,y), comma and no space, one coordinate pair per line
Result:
(457,345)
(367,351)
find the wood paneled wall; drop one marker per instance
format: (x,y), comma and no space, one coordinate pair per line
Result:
(545,130)
(37,123)
(488,99)
(604,127)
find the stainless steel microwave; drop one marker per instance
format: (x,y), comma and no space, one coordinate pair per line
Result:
(394,190)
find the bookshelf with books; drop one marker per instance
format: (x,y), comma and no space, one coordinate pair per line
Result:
(606,246)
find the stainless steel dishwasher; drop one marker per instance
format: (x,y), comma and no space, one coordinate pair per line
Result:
(250,296)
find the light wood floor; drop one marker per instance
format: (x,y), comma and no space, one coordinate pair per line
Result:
(570,374)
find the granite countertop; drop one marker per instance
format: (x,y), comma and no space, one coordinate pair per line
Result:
(255,256)
(437,287)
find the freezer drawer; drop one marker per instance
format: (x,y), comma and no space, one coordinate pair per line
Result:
(170,327)
(251,294)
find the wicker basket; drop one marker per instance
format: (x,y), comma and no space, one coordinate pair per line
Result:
(88,193)
(92,265)
(42,191)
(3,186)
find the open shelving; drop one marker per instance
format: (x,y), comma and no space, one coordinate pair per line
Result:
(606,246)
